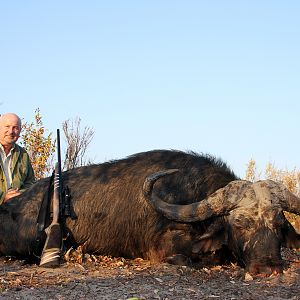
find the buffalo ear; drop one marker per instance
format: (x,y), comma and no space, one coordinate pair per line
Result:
(291,239)
(213,239)
(207,245)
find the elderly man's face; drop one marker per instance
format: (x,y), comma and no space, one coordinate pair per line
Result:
(10,129)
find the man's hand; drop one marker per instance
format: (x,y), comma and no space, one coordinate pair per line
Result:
(11,193)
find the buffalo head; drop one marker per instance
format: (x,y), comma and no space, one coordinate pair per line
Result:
(248,218)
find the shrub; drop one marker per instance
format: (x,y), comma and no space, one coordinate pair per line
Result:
(39,145)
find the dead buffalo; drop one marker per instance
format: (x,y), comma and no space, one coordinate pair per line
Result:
(164,206)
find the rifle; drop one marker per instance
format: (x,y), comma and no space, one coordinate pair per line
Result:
(51,252)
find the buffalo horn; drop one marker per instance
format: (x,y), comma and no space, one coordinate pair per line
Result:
(289,201)
(219,203)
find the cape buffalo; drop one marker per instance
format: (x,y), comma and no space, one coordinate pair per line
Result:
(164,206)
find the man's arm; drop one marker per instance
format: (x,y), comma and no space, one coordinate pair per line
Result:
(30,178)
(11,193)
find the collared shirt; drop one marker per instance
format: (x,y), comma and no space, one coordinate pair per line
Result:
(6,165)
(20,169)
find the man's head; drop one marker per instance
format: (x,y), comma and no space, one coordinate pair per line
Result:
(10,128)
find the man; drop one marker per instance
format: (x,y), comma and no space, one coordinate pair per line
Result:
(16,172)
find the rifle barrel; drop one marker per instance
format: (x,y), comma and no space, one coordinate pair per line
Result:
(59,174)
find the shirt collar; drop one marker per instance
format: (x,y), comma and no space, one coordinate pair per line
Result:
(11,150)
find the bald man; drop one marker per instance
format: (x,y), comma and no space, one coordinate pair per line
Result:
(16,172)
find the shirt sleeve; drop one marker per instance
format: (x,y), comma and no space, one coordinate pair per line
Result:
(30,178)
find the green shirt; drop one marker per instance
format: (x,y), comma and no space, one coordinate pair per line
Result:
(21,170)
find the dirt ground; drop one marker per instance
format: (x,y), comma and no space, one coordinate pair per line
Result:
(102,277)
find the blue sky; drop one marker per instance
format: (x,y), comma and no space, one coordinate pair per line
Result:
(218,77)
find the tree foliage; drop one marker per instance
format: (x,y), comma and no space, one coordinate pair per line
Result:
(291,179)
(39,145)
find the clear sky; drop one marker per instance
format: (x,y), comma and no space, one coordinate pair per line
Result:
(218,77)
